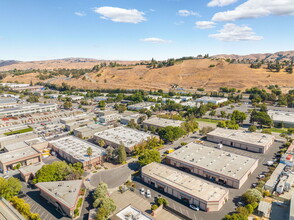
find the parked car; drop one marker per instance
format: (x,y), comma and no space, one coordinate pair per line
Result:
(260,176)
(270,163)
(194,207)
(148,193)
(142,191)
(254,185)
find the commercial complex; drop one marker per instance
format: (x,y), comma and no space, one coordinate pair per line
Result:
(216,165)
(122,135)
(184,186)
(62,194)
(256,142)
(11,139)
(8,212)
(28,109)
(141,105)
(282,118)
(162,122)
(214,100)
(130,212)
(74,150)
(24,156)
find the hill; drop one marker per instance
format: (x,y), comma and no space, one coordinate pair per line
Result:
(189,74)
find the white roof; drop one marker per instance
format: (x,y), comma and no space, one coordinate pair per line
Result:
(282,116)
(163,122)
(131,212)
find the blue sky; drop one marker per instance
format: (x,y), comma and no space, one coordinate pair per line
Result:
(142,29)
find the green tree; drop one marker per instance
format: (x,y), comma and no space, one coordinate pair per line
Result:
(67,105)
(252,128)
(149,156)
(238,117)
(251,196)
(170,134)
(212,113)
(190,126)
(101,191)
(9,187)
(122,155)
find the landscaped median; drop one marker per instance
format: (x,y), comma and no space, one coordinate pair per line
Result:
(19,131)
(78,209)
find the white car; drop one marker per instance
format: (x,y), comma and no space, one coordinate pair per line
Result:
(194,207)
(142,191)
(148,193)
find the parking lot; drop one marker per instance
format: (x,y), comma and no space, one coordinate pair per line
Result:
(234,194)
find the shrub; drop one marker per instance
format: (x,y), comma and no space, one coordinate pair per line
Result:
(162,201)
(252,195)
(76,212)
(154,207)
(250,209)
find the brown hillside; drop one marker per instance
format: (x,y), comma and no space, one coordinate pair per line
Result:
(188,74)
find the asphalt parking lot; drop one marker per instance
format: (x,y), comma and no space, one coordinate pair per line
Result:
(234,194)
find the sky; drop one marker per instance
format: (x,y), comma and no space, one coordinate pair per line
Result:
(143,29)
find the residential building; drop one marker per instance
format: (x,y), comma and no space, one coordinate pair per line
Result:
(192,190)
(214,100)
(157,122)
(130,212)
(216,165)
(28,173)
(63,195)
(251,141)
(8,212)
(74,150)
(141,105)
(24,156)
(28,109)
(282,118)
(122,135)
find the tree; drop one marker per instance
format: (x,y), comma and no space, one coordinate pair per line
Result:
(67,105)
(9,187)
(101,143)
(170,134)
(223,114)
(206,130)
(238,116)
(212,113)
(221,124)
(262,118)
(190,126)
(33,98)
(149,156)
(122,155)
(252,128)
(252,195)
(24,208)
(101,191)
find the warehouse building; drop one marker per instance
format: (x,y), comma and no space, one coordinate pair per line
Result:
(28,109)
(88,131)
(130,212)
(75,118)
(141,105)
(255,142)
(78,124)
(122,135)
(28,173)
(270,185)
(24,156)
(74,150)
(214,100)
(162,122)
(7,103)
(63,195)
(125,120)
(11,139)
(216,165)
(8,212)
(282,118)
(193,190)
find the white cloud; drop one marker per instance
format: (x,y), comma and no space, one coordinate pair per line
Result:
(257,8)
(120,14)
(220,3)
(81,14)
(155,40)
(186,13)
(205,24)
(233,32)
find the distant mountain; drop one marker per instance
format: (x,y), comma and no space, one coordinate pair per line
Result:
(283,55)
(8,62)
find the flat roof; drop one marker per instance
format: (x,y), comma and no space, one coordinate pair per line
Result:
(31,168)
(18,136)
(143,104)
(16,146)
(7,100)
(265,208)
(17,154)
(28,106)
(77,148)
(222,162)
(282,116)
(8,212)
(163,122)
(65,192)
(208,98)
(91,127)
(130,212)
(185,182)
(253,138)
(127,136)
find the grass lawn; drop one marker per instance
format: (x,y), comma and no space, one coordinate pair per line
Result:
(213,121)
(18,131)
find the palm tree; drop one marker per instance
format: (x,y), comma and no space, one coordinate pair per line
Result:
(89,153)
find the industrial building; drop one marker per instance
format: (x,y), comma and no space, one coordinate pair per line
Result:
(11,139)
(270,185)
(193,190)
(74,150)
(78,124)
(287,157)
(75,118)
(7,103)
(141,105)
(122,135)
(24,156)
(162,122)
(100,98)
(88,131)
(214,100)
(125,120)
(130,212)
(216,165)
(255,142)
(28,109)
(63,195)
(28,172)
(8,212)
(282,118)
